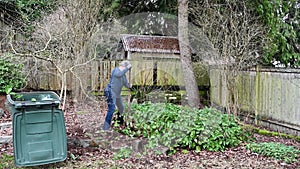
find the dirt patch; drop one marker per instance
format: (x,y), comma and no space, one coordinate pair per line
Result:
(6,116)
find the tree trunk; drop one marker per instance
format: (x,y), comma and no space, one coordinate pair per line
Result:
(185,55)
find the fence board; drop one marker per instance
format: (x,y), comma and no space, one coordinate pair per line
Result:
(277,99)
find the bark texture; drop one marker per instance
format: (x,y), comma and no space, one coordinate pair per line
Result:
(185,55)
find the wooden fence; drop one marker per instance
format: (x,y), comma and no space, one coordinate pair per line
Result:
(95,75)
(271,96)
(48,78)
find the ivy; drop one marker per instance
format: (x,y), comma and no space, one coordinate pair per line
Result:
(11,76)
(282,19)
(33,10)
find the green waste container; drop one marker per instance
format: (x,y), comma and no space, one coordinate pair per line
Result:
(39,131)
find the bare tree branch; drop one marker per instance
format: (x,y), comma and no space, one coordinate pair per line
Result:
(237,35)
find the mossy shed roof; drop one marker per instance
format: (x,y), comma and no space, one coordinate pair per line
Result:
(146,43)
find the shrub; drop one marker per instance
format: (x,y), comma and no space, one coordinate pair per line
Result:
(182,127)
(11,75)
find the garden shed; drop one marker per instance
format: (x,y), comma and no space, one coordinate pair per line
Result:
(155,59)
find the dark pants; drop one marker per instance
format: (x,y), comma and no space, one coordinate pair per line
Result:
(112,102)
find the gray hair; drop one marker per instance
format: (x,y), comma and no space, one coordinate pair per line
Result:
(124,63)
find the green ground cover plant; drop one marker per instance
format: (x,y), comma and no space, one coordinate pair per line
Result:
(6,161)
(279,151)
(180,127)
(122,154)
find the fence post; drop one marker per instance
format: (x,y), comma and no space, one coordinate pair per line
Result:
(257,95)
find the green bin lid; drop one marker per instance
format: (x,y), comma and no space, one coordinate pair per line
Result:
(39,132)
(24,99)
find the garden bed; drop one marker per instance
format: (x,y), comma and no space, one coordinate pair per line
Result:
(84,122)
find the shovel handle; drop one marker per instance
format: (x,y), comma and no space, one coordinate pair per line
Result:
(129,93)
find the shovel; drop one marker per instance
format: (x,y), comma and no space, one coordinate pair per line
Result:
(129,93)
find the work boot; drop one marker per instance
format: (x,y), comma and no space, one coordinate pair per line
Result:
(106,126)
(120,119)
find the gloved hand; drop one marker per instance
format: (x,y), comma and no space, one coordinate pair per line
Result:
(129,66)
(130,86)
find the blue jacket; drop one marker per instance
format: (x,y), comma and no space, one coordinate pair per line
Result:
(118,80)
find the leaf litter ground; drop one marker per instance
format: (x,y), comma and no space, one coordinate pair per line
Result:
(90,147)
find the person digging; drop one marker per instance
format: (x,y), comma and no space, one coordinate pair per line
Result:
(112,93)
